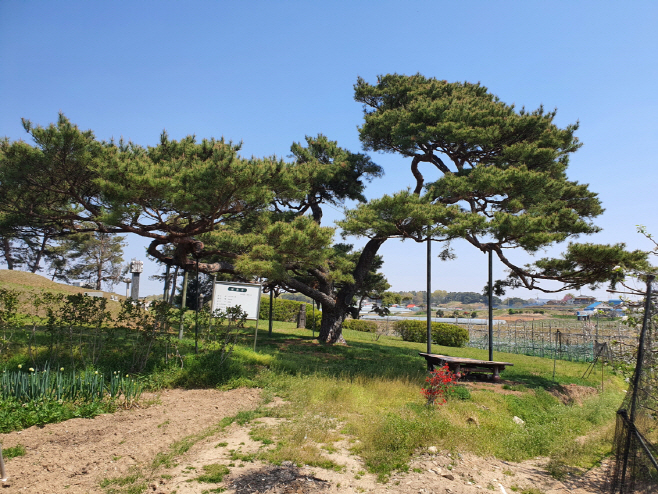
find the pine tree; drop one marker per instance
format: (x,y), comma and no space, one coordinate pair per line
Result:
(502,184)
(96,258)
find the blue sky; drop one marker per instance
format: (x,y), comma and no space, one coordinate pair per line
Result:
(270,72)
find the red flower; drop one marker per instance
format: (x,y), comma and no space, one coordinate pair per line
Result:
(438,382)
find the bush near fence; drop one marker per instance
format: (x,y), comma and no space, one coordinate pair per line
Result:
(287,310)
(443,334)
(360,325)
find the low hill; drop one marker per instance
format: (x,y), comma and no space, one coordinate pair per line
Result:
(24,282)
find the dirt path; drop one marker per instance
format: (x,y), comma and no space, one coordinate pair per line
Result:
(75,456)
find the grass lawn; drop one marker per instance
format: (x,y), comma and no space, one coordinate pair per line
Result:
(372,389)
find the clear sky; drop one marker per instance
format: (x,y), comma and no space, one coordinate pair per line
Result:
(270,72)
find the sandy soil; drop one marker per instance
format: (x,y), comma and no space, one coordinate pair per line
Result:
(75,456)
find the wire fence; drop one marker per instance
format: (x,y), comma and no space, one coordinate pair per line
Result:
(635,449)
(555,339)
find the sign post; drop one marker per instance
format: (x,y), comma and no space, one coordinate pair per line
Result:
(247,295)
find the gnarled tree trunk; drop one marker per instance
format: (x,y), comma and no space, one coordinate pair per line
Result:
(331,328)
(333,315)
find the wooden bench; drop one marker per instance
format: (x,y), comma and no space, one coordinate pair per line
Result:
(462,366)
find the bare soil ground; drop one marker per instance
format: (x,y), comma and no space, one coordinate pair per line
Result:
(75,456)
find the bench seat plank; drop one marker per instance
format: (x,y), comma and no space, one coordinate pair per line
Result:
(463,365)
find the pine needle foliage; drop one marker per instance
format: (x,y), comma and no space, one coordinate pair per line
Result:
(502,178)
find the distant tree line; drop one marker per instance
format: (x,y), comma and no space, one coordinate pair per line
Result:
(440,297)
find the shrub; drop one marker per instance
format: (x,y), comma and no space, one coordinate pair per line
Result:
(287,311)
(458,393)
(284,310)
(360,325)
(443,334)
(309,318)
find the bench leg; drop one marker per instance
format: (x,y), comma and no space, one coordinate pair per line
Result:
(496,374)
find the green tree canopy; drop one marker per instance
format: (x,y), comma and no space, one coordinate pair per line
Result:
(502,177)
(172,193)
(331,175)
(241,217)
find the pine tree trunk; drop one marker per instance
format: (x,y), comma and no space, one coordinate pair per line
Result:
(99,276)
(6,247)
(37,260)
(331,328)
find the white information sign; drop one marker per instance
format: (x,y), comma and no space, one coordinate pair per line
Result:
(228,294)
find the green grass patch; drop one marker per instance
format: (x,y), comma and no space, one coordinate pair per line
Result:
(237,455)
(133,483)
(213,473)
(15,416)
(372,388)
(262,435)
(13,452)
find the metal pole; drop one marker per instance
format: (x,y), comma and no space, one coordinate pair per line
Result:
(212,301)
(490,305)
(271,305)
(196,314)
(429,299)
(183,304)
(166,283)
(256,333)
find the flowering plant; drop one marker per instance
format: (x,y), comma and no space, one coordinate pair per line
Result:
(437,384)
